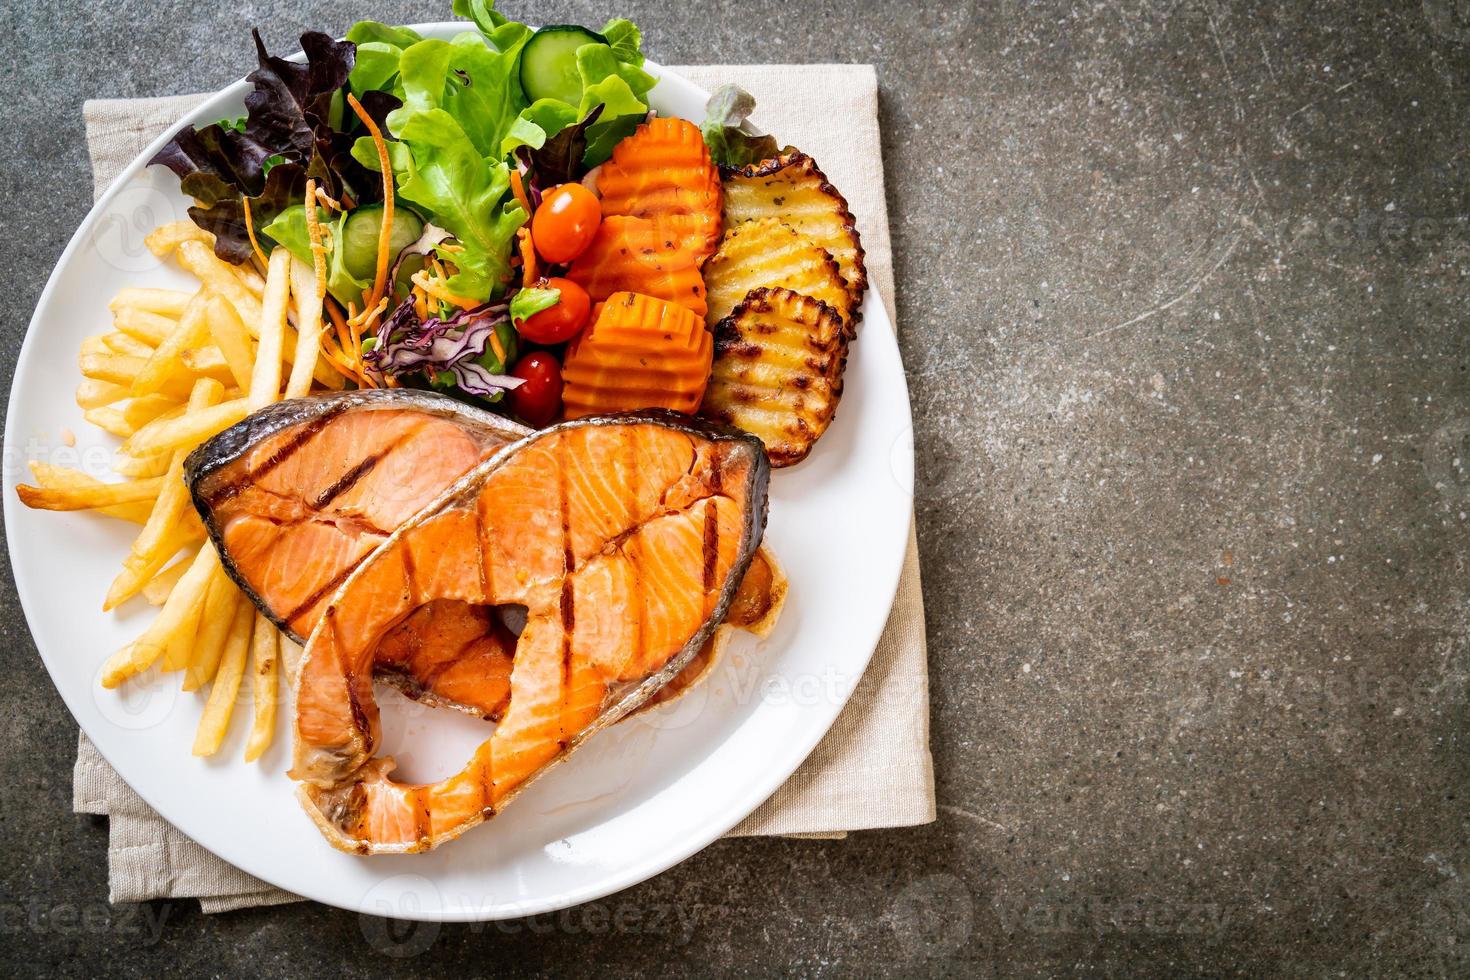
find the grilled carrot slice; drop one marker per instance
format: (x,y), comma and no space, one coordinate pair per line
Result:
(634,255)
(640,352)
(663,172)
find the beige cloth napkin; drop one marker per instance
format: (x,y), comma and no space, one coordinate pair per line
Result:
(873,768)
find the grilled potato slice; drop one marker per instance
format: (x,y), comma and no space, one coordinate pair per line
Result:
(778,371)
(792,188)
(769,252)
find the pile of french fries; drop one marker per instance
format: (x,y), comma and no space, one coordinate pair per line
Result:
(178,368)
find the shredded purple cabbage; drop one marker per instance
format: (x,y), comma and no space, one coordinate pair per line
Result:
(406,344)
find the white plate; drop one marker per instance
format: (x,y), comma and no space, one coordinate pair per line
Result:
(633,802)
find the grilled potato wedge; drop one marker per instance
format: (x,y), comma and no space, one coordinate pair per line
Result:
(792,188)
(777,374)
(768,252)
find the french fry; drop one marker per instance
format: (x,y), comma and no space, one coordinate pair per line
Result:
(145,327)
(147,554)
(226,686)
(122,369)
(92,347)
(166,359)
(164,302)
(110,419)
(214,631)
(265,666)
(180,643)
(180,611)
(118,369)
(90,497)
(136,467)
(265,381)
(209,361)
(219,276)
(252,279)
(60,478)
(200,260)
(124,421)
(95,394)
(233,340)
(166,238)
(188,430)
(141,411)
(123,344)
(308,327)
(160,585)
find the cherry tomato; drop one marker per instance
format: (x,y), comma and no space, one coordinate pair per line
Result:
(562,321)
(538,401)
(564,224)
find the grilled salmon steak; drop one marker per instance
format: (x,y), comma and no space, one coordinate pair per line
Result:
(297,495)
(274,492)
(624,537)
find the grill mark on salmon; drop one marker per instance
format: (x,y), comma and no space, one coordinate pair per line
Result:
(321,593)
(567,601)
(711,544)
(301,438)
(627,544)
(347,481)
(624,580)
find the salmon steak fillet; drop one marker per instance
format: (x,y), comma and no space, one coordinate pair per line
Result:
(625,538)
(299,494)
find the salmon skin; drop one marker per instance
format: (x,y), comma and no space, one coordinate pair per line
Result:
(625,538)
(299,493)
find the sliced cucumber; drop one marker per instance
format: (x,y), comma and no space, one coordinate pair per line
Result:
(549,63)
(360,238)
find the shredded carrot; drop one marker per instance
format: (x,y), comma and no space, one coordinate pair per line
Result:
(327,201)
(359,324)
(497,347)
(314,232)
(449,248)
(351,357)
(250,230)
(435,288)
(519,190)
(385,233)
(529,272)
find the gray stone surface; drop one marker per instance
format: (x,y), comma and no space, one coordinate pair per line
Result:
(1182,289)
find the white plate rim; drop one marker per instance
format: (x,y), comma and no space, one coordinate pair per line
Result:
(877,332)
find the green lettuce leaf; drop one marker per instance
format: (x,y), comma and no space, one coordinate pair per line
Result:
(725,112)
(464,113)
(625,40)
(464,192)
(288,230)
(528,302)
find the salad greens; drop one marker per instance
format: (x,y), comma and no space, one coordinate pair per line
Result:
(532,300)
(473,129)
(725,113)
(263,161)
(454,114)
